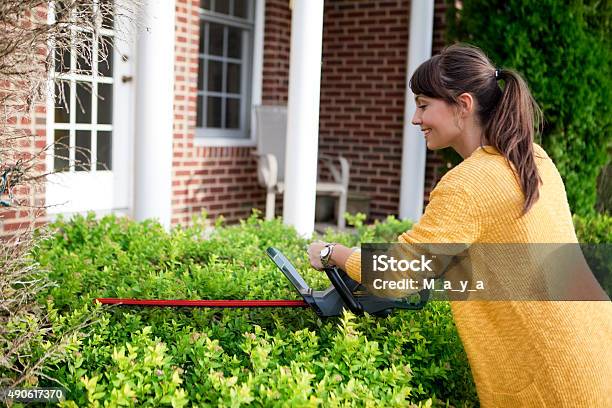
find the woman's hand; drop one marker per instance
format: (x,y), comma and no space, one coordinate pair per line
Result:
(338,257)
(314,254)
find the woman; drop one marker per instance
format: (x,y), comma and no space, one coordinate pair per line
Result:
(506,190)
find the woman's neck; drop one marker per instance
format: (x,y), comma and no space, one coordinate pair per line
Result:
(470,141)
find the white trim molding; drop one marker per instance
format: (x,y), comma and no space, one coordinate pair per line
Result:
(303,115)
(154,113)
(414,149)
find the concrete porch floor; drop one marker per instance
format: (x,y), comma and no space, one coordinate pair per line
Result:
(321,227)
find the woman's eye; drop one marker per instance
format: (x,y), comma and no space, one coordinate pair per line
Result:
(422,106)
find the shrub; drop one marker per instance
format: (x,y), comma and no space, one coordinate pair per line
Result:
(563,51)
(33,335)
(235,357)
(593,229)
(380,231)
(594,232)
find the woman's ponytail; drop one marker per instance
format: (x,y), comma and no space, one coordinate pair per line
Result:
(511,129)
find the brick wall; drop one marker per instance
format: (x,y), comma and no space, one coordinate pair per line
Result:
(363,92)
(277,44)
(218,180)
(27,210)
(362,105)
(30,127)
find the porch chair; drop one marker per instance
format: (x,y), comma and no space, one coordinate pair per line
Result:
(271,129)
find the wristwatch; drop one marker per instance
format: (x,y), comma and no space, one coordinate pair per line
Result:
(326,254)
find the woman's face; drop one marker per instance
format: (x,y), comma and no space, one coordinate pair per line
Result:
(438,121)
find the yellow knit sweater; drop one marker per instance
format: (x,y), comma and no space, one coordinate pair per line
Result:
(521,353)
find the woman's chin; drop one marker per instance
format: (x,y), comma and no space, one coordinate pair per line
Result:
(433,145)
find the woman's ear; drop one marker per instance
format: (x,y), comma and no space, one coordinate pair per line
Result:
(466,104)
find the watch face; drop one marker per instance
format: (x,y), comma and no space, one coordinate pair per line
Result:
(324,252)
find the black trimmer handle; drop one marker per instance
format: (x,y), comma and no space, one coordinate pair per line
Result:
(345,293)
(411,305)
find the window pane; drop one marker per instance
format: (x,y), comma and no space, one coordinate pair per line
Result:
(105,104)
(234,42)
(215,76)
(105,151)
(60,150)
(213,114)
(83,102)
(205,4)
(222,6)
(240,8)
(62,102)
(202,38)
(215,45)
(105,56)
(232,113)
(62,60)
(233,78)
(84,49)
(201,74)
(82,153)
(107,10)
(199,110)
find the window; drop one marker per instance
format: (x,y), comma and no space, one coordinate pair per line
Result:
(224,68)
(83,95)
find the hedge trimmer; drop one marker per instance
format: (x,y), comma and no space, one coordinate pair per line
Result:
(344,293)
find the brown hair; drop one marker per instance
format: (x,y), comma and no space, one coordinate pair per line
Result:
(510,117)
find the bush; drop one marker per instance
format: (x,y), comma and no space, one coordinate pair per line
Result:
(594,232)
(33,336)
(563,51)
(378,232)
(233,357)
(594,229)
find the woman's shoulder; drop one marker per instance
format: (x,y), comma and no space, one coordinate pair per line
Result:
(468,174)
(488,158)
(483,152)
(485,169)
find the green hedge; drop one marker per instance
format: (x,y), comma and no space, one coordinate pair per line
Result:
(262,357)
(563,51)
(594,229)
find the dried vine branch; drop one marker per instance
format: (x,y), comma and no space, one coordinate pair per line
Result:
(38,41)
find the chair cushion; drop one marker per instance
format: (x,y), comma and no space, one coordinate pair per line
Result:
(328,187)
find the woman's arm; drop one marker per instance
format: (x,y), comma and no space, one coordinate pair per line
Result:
(451,216)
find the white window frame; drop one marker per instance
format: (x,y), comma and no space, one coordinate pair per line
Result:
(216,138)
(72,126)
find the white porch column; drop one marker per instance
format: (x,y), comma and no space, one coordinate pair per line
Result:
(154,112)
(303,115)
(414,146)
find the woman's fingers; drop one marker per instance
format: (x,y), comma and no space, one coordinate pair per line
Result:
(314,254)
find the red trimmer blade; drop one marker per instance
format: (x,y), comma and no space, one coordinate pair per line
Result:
(203,303)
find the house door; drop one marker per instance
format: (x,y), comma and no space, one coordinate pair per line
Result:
(89,122)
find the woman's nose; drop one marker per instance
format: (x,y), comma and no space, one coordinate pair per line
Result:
(416,120)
